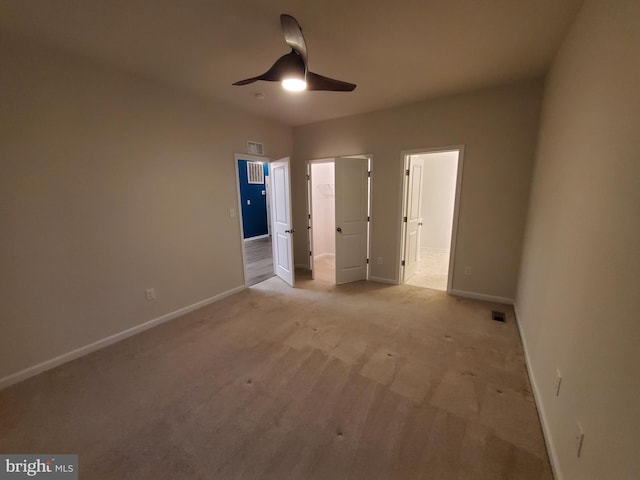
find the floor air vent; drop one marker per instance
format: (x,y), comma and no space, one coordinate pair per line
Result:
(497,316)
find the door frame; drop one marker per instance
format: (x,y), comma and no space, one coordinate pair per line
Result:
(405,154)
(309,212)
(251,158)
(310,208)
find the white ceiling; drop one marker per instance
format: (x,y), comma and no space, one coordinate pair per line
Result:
(396,51)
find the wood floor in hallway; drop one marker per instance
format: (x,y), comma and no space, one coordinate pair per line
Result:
(258,258)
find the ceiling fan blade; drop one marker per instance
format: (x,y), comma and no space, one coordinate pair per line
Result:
(247,81)
(319,82)
(289,63)
(294,63)
(293,35)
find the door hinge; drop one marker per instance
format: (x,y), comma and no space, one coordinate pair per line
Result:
(367,260)
(405,220)
(309,252)
(369,174)
(406,172)
(309,216)
(308,177)
(403,263)
(368,219)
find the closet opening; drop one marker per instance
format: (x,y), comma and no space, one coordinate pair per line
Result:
(339,218)
(323,220)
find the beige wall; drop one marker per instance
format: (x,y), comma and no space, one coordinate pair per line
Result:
(438,199)
(498,127)
(578,299)
(323,197)
(109,185)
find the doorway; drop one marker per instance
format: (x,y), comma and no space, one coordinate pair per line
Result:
(323,220)
(254,194)
(339,216)
(430,212)
(264,201)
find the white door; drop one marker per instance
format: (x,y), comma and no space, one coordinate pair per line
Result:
(281,220)
(351,219)
(413,214)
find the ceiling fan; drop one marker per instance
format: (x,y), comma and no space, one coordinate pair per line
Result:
(291,69)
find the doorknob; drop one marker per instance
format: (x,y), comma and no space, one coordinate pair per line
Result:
(290,231)
(338,229)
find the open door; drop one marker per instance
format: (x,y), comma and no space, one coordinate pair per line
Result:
(429,221)
(352,196)
(413,219)
(281,220)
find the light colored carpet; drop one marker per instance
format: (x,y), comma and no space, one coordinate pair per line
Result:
(320,381)
(433,270)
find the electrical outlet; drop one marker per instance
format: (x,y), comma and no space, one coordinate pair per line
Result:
(379,260)
(467,270)
(579,438)
(558,383)
(150,293)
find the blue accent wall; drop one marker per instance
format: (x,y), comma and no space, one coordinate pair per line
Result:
(254,216)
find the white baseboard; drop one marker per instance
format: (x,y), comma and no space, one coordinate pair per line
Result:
(482,296)
(92,347)
(546,433)
(383,280)
(257,237)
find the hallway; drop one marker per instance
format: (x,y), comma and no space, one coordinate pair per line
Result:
(258,256)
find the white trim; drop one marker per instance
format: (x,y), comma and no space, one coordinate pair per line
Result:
(403,207)
(454,226)
(92,347)
(257,237)
(309,221)
(482,296)
(322,160)
(370,216)
(389,281)
(546,432)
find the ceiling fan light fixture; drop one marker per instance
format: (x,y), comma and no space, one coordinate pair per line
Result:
(291,69)
(294,84)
